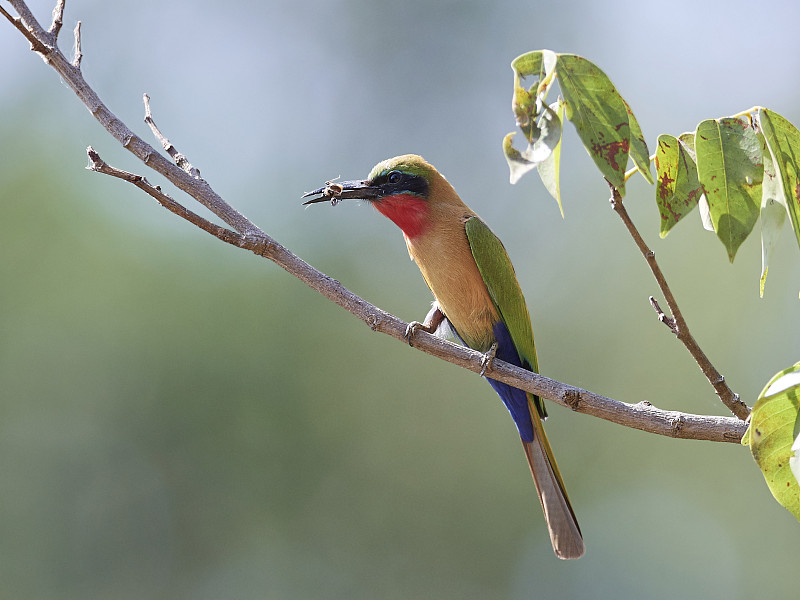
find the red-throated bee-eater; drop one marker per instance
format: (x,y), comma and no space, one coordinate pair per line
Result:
(477,297)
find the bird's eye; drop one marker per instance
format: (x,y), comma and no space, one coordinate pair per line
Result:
(394,177)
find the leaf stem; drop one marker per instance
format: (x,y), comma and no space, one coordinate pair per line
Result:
(747,113)
(635,169)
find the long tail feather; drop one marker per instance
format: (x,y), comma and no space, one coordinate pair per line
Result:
(565,534)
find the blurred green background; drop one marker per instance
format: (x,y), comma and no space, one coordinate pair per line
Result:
(179,419)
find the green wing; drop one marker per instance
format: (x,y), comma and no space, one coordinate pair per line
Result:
(498,274)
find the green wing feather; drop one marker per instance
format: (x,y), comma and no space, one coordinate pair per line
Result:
(498,274)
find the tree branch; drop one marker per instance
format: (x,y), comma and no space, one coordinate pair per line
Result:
(246,235)
(641,416)
(677,323)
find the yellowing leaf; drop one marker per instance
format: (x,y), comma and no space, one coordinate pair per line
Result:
(774,426)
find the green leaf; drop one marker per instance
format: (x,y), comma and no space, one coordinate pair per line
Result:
(678,190)
(783,140)
(639,152)
(549,169)
(774,426)
(773,212)
(730,168)
(599,114)
(604,121)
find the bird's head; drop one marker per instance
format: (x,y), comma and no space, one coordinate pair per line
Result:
(402,188)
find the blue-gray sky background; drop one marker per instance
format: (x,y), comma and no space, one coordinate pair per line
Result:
(183,420)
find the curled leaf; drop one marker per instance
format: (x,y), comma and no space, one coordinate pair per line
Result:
(545,138)
(518,165)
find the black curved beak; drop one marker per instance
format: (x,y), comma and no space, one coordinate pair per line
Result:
(333,191)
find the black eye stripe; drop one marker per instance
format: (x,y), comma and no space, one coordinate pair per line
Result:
(397,182)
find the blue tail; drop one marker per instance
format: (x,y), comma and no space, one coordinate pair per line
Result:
(516,400)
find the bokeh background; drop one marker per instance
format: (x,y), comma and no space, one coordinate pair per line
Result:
(179,419)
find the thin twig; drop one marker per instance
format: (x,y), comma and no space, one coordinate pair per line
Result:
(679,325)
(662,317)
(98,165)
(58,19)
(72,76)
(36,45)
(179,158)
(246,235)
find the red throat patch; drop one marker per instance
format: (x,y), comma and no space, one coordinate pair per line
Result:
(407,211)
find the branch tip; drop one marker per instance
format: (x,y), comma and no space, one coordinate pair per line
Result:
(673,326)
(179,158)
(95,162)
(76,61)
(58,19)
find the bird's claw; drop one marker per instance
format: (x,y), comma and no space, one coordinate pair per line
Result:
(411,329)
(488,358)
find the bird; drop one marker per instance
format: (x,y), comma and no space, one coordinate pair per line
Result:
(477,299)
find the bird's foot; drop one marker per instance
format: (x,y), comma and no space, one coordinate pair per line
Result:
(488,358)
(412,329)
(431,324)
